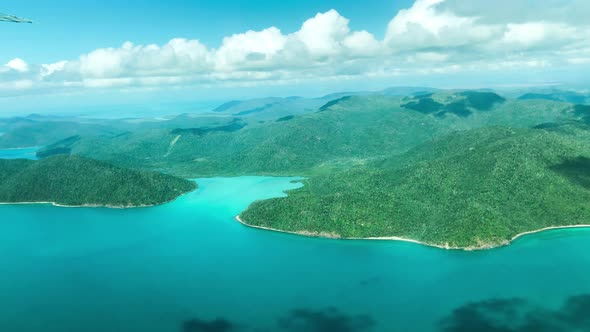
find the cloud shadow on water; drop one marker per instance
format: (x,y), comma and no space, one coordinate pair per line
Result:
(328,320)
(298,320)
(198,325)
(518,315)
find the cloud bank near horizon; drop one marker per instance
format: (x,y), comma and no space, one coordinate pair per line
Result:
(431,37)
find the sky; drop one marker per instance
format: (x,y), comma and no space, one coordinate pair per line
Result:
(111,51)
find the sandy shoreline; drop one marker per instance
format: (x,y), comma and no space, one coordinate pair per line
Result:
(25,148)
(548,229)
(332,236)
(121,207)
(81,206)
(395,238)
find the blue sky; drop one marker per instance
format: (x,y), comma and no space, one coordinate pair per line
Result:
(64,29)
(80,53)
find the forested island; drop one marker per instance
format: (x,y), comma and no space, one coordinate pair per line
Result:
(453,169)
(79,181)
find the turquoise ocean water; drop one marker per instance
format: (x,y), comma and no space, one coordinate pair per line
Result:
(24,153)
(188,266)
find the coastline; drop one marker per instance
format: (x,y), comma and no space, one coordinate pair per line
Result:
(25,148)
(337,237)
(85,205)
(395,238)
(106,206)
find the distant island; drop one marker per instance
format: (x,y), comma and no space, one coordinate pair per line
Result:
(78,181)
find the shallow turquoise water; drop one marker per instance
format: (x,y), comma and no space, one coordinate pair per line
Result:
(24,153)
(70,269)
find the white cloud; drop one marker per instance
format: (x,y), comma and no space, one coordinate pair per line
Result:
(424,14)
(424,26)
(428,57)
(255,47)
(579,61)
(362,43)
(17,84)
(466,35)
(432,36)
(535,34)
(49,69)
(18,65)
(521,11)
(323,35)
(176,57)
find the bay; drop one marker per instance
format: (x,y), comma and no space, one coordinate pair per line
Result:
(189,266)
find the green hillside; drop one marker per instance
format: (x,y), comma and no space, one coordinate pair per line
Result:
(450,168)
(39,130)
(557,95)
(477,188)
(269,109)
(72,180)
(28,133)
(273,108)
(349,130)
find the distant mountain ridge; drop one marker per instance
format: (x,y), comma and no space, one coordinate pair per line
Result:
(558,95)
(270,109)
(355,128)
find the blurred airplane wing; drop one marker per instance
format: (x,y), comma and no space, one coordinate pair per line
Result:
(13,19)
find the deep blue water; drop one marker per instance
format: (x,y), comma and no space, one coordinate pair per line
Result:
(24,153)
(189,262)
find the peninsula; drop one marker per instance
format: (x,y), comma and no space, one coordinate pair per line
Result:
(469,190)
(78,181)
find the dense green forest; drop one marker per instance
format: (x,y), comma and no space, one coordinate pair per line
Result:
(449,168)
(344,132)
(43,130)
(73,181)
(477,188)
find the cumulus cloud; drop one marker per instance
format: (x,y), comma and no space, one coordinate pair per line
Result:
(18,65)
(521,11)
(431,36)
(323,34)
(258,48)
(433,25)
(424,26)
(176,57)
